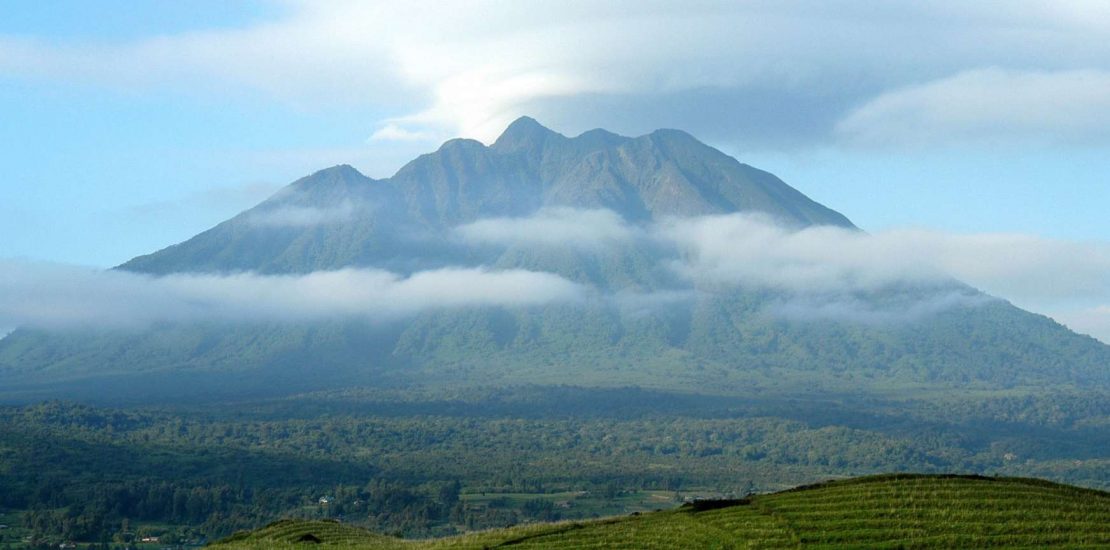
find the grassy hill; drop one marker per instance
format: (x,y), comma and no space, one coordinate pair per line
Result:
(892,511)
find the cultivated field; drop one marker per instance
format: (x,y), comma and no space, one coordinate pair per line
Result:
(894,511)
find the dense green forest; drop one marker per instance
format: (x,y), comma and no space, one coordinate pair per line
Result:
(418,464)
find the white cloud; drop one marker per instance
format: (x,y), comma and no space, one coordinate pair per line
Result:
(638,303)
(752,250)
(393,132)
(906,308)
(823,272)
(1032,271)
(303,216)
(576,228)
(988,105)
(827,268)
(304,58)
(56,296)
(714,68)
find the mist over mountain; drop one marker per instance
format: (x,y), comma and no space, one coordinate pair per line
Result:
(338,217)
(676,268)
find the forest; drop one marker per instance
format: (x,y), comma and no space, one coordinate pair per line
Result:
(418,464)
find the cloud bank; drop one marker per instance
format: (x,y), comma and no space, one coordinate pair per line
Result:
(570,227)
(823,273)
(745,249)
(303,216)
(902,309)
(55,296)
(825,266)
(752,250)
(779,74)
(828,268)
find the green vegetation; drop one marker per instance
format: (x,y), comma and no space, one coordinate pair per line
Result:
(457,420)
(425,464)
(900,511)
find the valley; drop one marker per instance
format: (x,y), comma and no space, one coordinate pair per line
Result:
(420,467)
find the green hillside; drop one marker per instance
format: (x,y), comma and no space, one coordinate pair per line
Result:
(893,511)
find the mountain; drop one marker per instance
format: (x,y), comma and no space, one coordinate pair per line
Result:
(376,222)
(643,325)
(896,511)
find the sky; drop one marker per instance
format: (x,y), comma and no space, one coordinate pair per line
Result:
(129,126)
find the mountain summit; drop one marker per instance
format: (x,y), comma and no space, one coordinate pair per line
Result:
(359,220)
(524,134)
(639,322)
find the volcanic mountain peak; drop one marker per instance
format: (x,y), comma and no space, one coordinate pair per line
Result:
(338,217)
(649,324)
(525,133)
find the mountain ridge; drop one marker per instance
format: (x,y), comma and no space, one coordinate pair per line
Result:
(644,325)
(666,172)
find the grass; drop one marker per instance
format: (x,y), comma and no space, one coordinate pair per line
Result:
(13,532)
(584,504)
(890,511)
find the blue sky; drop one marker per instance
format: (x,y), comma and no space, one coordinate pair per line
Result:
(129,126)
(77,20)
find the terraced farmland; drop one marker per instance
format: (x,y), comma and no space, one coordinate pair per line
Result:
(895,511)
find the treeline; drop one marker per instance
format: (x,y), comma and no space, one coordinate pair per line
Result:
(81,473)
(107,508)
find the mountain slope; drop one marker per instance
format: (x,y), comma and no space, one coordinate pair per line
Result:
(337,217)
(333,218)
(641,325)
(874,512)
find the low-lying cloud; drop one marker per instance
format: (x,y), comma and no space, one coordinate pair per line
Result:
(826,269)
(56,296)
(897,310)
(820,272)
(303,216)
(752,250)
(571,227)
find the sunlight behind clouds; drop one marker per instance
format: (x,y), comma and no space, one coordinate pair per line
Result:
(468,68)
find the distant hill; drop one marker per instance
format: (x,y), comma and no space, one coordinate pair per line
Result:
(694,339)
(893,511)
